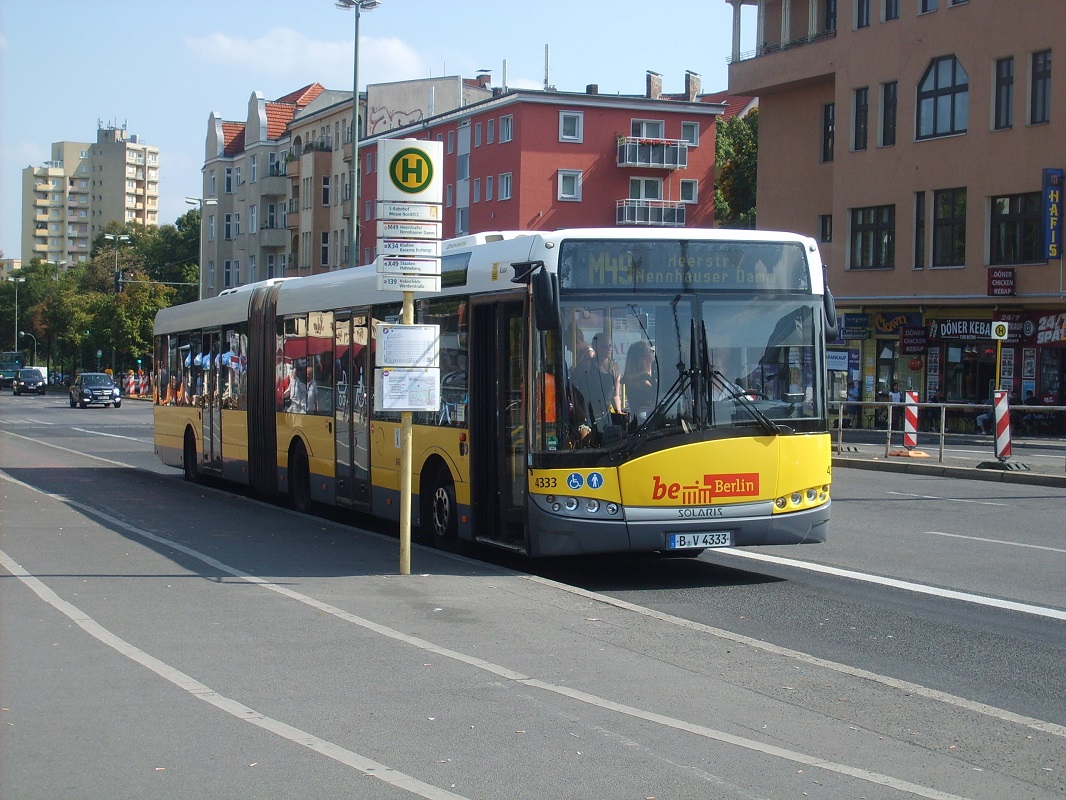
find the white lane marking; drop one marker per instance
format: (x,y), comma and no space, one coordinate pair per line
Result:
(994,602)
(947,499)
(112,435)
(243,712)
(998,541)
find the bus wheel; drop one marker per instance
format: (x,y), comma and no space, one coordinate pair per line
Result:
(188,460)
(442,513)
(299,480)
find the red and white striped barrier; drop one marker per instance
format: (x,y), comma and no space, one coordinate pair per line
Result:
(910,421)
(142,383)
(1002,417)
(127,384)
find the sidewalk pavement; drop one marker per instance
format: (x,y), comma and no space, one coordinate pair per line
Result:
(1034,461)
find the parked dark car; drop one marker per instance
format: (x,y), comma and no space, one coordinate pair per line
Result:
(94,388)
(28,381)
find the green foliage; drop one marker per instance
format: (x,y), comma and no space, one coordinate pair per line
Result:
(76,313)
(736,158)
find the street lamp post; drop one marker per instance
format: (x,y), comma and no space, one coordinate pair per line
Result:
(58,265)
(16,281)
(353,224)
(23,333)
(118,239)
(200,202)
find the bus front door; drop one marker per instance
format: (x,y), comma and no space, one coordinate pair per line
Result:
(497,433)
(351,418)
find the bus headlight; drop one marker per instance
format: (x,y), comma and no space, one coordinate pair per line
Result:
(797,498)
(571,504)
(612,508)
(592,505)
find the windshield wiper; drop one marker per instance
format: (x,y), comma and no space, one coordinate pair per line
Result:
(734,392)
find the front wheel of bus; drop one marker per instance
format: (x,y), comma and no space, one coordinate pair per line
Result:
(442,513)
(299,480)
(188,459)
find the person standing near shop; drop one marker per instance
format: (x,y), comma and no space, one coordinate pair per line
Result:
(896,397)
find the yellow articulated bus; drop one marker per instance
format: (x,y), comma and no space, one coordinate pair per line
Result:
(601,391)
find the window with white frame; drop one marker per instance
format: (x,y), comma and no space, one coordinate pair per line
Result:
(647,128)
(645,189)
(477,190)
(569,184)
(448,196)
(211,228)
(477,134)
(690,132)
(253,219)
(251,269)
(571,126)
(252,169)
(211,182)
(690,190)
(490,131)
(488,187)
(451,141)
(323,249)
(506,128)
(504,186)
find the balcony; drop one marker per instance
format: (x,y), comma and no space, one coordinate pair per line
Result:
(274,185)
(662,213)
(634,151)
(273,237)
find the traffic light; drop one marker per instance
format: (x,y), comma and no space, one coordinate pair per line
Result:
(119,283)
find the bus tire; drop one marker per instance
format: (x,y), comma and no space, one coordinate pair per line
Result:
(188,458)
(299,480)
(441,512)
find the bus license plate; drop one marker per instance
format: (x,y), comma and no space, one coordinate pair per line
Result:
(684,541)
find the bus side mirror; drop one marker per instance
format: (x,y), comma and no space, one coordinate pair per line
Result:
(545,300)
(831,329)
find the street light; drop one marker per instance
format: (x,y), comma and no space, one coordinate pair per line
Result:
(200,202)
(16,281)
(23,333)
(358,6)
(58,265)
(117,238)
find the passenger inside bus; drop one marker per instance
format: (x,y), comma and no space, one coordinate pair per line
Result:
(640,381)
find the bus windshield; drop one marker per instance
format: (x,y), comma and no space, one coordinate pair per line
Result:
(640,367)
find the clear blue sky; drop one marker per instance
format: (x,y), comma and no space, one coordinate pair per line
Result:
(161,67)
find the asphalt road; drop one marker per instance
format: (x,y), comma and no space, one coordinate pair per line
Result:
(159,639)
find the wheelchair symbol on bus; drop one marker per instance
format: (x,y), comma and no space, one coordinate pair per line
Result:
(574,480)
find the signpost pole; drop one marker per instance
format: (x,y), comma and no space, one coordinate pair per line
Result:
(406,448)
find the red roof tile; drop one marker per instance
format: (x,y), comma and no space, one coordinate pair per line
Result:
(301,97)
(279,115)
(233,138)
(734,103)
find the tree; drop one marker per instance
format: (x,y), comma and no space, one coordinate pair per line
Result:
(736,159)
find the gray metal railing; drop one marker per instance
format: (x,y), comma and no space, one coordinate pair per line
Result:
(943,419)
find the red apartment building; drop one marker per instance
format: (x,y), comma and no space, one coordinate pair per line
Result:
(536,160)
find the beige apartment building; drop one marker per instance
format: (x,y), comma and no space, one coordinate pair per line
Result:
(70,199)
(921,142)
(277,184)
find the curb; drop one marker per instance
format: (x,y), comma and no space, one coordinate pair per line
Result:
(942,471)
